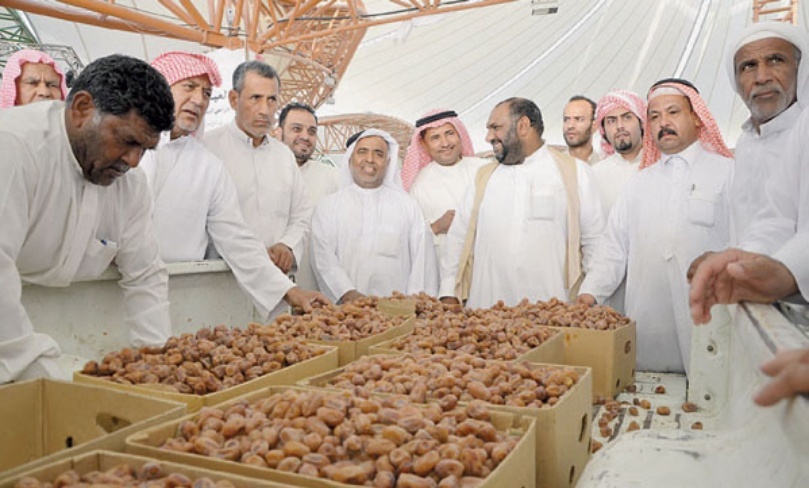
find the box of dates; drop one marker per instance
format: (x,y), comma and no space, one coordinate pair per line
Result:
(46,420)
(319,438)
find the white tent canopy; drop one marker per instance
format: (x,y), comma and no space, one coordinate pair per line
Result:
(470,60)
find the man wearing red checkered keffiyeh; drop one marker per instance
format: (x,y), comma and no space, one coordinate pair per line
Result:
(195,200)
(438,168)
(620,118)
(670,213)
(31,76)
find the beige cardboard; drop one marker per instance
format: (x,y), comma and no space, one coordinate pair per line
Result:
(105,460)
(38,419)
(516,471)
(349,351)
(284,376)
(563,430)
(610,353)
(551,351)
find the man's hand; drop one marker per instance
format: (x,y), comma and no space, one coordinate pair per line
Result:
(586,299)
(281,255)
(790,376)
(735,275)
(441,226)
(304,300)
(350,296)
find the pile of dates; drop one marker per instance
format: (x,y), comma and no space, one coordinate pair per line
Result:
(385,443)
(455,377)
(208,361)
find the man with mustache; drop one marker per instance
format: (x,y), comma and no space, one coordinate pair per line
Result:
(763,64)
(578,124)
(272,197)
(438,168)
(528,226)
(68,208)
(620,118)
(669,213)
(297,128)
(370,238)
(195,201)
(31,76)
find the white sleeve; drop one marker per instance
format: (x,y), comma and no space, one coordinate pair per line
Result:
(776,223)
(144,276)
(256,274)
(793,255)
(609,262)
(331,278)
(423,262)
(591,214)
(296,235)
(20,346)
(453,245)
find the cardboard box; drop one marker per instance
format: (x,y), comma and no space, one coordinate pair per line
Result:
(610,353)
(284,376)
(516,471)
(551,351)
(105,460)
(563,430)
(349,351)
(43,421)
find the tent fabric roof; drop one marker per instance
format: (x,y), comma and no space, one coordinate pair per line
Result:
(470,60)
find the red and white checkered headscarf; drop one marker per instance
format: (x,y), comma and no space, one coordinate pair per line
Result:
(8,89)
(618,99)
(177,66)
(708,135)
(417,156)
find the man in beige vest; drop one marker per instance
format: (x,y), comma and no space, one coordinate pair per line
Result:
(528,226)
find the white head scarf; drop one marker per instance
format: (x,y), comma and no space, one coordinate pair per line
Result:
(781,30)
(393,178)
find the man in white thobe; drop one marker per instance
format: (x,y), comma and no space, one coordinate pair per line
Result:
(671,212)
(272,197)
(370,238)
(68,209)
(620,118)
(195,200)
(578,124)
(438,168)
(774,245)
(297,128)
(764,64)
(523,244)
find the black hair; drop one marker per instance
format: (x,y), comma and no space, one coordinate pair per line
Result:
(519,107)
(593,105)
(120,84)
(258,67)
(294,106)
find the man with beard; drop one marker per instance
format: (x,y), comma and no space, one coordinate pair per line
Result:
(671,212)
(297,128)
(439,166)
(763,65)
(195,201)
(68,207)
(369,238)
(272,197)
(578,124)
(31,76)
(620,118)
(528,226)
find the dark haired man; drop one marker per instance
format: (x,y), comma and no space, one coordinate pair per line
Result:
(578,124)
(537,213)
(297,128)
(68,207)
(272,197)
